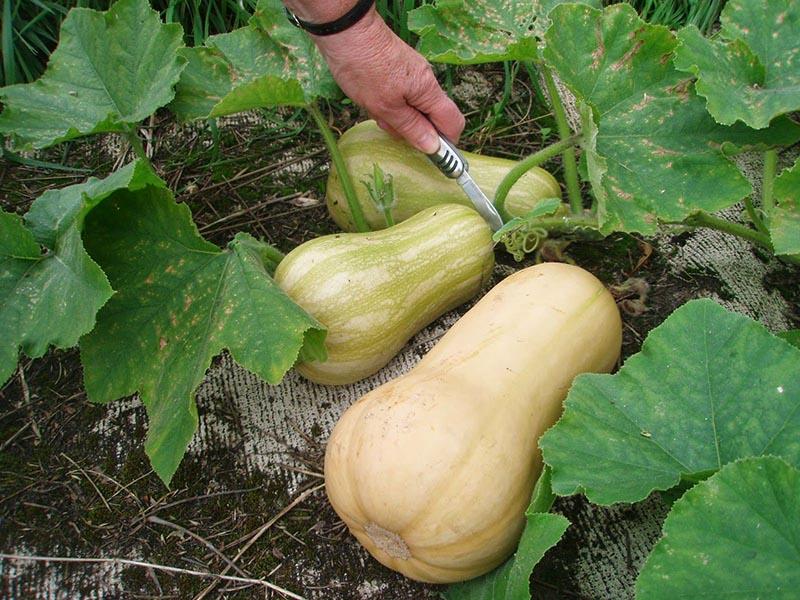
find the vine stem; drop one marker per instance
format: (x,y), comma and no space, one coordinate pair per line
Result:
(754,216)
(135,142)
(525,165)
(768,181)
(703,219)
(568,223)
(273,255)
(742,231)
(338,162)
(564,132)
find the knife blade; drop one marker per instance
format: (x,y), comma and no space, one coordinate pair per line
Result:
(453,165)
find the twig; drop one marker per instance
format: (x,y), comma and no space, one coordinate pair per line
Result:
(90,480)
(14,436)
(146,565)
(26,398)
(156,508)
(259,532)
(205,542)
(249,209)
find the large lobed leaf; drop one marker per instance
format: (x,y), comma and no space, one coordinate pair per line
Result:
(52,297)
(708,387)
(752,73)
(267,63)
(180,301)
(511,580)
(460,32)
(653,151)
(735,535)
(110,70)
(784,218)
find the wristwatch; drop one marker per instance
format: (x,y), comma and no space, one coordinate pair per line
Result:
(350,18)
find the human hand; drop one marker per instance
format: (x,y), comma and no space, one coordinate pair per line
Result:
(392,81)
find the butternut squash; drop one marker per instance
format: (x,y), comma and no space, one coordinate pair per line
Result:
(432,472)
(417,183)
(373,291)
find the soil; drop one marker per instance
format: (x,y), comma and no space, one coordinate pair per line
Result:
(68,490)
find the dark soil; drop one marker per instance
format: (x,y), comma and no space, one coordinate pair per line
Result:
(67,490)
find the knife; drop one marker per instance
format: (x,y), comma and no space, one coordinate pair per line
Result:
(453,165)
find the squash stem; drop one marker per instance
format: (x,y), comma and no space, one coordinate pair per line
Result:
(568,223)
(768,181)
(564,132)
(754,216)
(703,219)
(135,142)
(525,165)
(272,257)
(338,162)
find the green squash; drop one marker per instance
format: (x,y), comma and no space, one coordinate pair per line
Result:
(418,184)
(375,290)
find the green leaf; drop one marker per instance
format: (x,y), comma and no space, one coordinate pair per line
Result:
(653,152)
(736,535)
(784,219)
(461,32)
(52,297)
(752,73)
(110,70)
(708,387)
(267,63)
(180,301)
(511,581)
(792,336)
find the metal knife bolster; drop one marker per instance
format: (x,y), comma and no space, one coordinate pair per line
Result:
(448,159)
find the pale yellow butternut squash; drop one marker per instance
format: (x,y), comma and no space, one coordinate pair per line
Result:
(432,471)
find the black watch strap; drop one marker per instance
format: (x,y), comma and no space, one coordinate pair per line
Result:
(350,18)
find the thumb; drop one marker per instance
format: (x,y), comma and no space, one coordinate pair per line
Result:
(415,128)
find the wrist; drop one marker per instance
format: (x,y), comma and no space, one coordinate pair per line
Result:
(370,33)
(327,18)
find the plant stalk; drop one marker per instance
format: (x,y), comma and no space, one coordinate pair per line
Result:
(272,255)
(768,181)
(754,216)
(136,143)
(564,132)
(338,162)
(703,219)
(525,165)
(568,223)
(755,237)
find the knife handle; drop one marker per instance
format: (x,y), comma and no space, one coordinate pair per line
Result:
(448,159)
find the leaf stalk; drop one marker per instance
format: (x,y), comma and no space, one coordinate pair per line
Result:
(768,180)
(136,143)
(564,132)
(525,165)
(341,169)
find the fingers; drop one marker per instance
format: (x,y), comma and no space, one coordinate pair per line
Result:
(431,100)
(413,126)
(423,110)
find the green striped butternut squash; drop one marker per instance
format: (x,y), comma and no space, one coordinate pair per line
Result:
(418,184)
(373,291)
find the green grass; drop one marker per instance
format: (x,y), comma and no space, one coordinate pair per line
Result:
(677,13)
(30,28)
(395,13)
